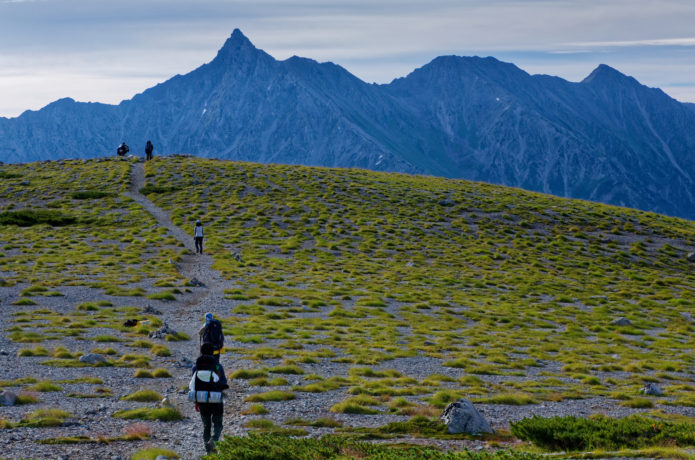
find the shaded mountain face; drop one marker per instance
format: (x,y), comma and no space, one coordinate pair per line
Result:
(607,138)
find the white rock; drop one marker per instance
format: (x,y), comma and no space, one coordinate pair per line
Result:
(462,417)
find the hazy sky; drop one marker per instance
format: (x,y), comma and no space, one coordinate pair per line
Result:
(106,51)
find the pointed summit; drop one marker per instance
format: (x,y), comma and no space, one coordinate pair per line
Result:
(238,50)
(607,75)
(237,42)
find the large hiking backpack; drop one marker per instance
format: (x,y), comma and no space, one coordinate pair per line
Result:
(204,387)
(213,334)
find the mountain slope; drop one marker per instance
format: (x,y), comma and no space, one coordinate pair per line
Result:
(607,138)
(369,295)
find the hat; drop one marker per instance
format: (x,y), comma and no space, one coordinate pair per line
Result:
(197,221)
(208,317)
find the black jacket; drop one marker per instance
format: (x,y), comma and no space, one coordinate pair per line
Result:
(208,363)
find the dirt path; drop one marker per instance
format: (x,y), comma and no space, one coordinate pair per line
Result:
(188,312)
(193,265)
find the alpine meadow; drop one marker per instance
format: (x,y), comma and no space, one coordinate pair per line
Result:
(356,306)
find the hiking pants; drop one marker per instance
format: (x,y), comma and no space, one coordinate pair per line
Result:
(211,415)
(149,155)
(199,244)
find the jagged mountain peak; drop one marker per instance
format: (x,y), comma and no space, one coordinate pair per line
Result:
(236,41)
(238,48)
(607,75)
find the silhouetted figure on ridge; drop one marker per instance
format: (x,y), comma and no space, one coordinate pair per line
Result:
(148,150)
(122,149)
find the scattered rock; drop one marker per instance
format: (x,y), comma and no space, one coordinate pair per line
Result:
(99,408)
(4,353)
(651,389)
(25,183)
(410,264)
(691,257)
(7,398)
(462,417)
(130,323)
(429,343)
(237,257)
(447,202)
(622,321)
(162,332)
(196,283)
(151,310)
(92,358)
(185,362)
(161,457)
(165,403)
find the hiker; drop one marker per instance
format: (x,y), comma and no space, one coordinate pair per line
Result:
(198,237)
(207,383)
(148,150)
(211,333)
(122,149)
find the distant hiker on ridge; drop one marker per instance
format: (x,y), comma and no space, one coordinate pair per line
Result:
(206,388)
(198,237)
(148,150)
(122,149)
(211,333)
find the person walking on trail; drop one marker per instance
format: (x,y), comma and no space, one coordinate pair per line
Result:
(148,150)
(198,237)
(206,386)
(211,333)
(122,150)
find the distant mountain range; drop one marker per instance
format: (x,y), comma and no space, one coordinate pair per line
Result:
(607,138)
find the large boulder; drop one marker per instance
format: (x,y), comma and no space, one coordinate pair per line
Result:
(92,358)
(651,389)
(691,257)
(7,398)
(462,417)
(621,322)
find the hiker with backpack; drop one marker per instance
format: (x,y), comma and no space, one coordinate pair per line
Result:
(206,386)
(122,150)
(148,150)
(211,333)
(198,237)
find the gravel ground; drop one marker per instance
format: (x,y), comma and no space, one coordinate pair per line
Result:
(93,415)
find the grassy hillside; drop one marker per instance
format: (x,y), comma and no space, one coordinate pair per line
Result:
(359,299)
(472,274)
(67,223)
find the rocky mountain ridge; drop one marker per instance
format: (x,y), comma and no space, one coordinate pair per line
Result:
(607,138)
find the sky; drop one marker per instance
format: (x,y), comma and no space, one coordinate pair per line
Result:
(108,51)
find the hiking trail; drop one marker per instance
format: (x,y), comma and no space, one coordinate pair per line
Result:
(187,313)
(192,265)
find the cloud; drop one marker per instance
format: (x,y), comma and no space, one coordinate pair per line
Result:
(625,43)
(151,40)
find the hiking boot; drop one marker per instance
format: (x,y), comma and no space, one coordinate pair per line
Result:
(210,447)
